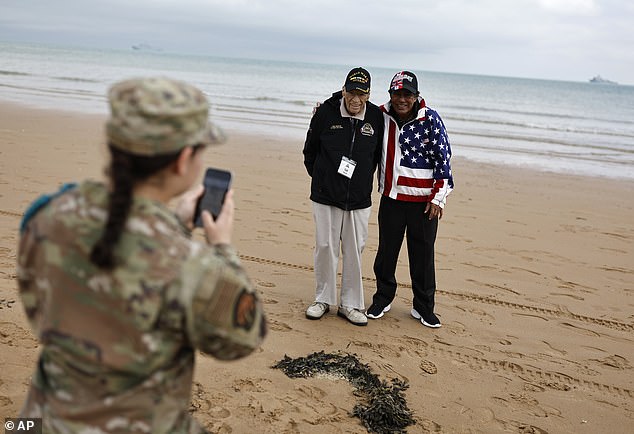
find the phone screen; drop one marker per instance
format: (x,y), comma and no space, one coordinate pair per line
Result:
(216,183)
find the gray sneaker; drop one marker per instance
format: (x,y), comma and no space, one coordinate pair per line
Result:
(355,316)
(317,310)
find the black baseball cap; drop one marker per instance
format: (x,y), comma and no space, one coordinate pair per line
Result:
(358,79)
(404,80)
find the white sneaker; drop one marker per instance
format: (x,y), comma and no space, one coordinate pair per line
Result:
(317,310)
(355,316)
(431,320)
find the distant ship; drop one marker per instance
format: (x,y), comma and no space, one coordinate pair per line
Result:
(601,80)
(146,47)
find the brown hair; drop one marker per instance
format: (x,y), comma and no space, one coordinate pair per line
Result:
(125,171)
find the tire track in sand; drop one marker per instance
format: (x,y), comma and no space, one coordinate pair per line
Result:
(617,325)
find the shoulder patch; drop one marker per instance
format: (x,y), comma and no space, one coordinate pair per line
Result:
(244,310)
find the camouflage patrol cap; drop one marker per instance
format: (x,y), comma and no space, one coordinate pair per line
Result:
(152,116)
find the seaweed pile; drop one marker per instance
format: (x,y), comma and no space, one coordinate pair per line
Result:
(383,408)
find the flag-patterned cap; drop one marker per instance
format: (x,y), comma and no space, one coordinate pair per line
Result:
(404,80)
(153,116)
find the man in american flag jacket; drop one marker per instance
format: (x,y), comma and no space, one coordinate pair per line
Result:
(414,181)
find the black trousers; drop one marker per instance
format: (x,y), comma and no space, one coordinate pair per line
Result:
(397,219)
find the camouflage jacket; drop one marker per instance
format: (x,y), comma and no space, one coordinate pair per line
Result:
(117,348)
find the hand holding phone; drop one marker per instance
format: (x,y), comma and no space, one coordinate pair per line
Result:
(216,182)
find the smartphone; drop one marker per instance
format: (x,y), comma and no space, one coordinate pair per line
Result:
(216,182)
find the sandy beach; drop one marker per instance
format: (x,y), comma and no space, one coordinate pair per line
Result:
(535,292)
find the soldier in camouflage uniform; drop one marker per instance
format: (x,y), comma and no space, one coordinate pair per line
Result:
(118,294)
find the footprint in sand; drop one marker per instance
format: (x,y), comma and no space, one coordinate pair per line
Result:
(386,349)
(278,325)
(249,385)
(284,315)
(198,404)
(585,370)
(393,373)
(9,275)
(219,412)
(429,425)
(6,304)
(456,328)
(202,401)
(265,283)
(476,311)
(524,399)
(415,342)
(298,306)
(482,348)
(528,429)
(429,367)
(310,397)
(311,392)
(269,301)
(6,252)
(15,336)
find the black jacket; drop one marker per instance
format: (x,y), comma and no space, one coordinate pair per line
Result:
(329,138)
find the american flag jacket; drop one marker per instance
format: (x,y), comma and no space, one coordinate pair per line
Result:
(414,166)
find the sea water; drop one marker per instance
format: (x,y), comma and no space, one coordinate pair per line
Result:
(570,127)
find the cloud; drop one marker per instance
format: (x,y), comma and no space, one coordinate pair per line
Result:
(581,7)
(548,38)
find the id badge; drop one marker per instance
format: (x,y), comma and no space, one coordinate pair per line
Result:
(346,167)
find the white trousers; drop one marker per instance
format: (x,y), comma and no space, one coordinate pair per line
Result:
(337,229)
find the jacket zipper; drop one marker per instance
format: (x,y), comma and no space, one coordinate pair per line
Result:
(353,121)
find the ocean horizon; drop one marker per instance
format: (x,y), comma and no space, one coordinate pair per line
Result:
(580,128)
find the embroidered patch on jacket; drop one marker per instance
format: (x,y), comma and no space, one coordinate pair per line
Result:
(244,310)
(367,130)
(336,127)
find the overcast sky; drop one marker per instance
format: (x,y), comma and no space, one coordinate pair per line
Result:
(553,39)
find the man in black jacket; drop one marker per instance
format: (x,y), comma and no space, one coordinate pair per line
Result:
(341,152)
